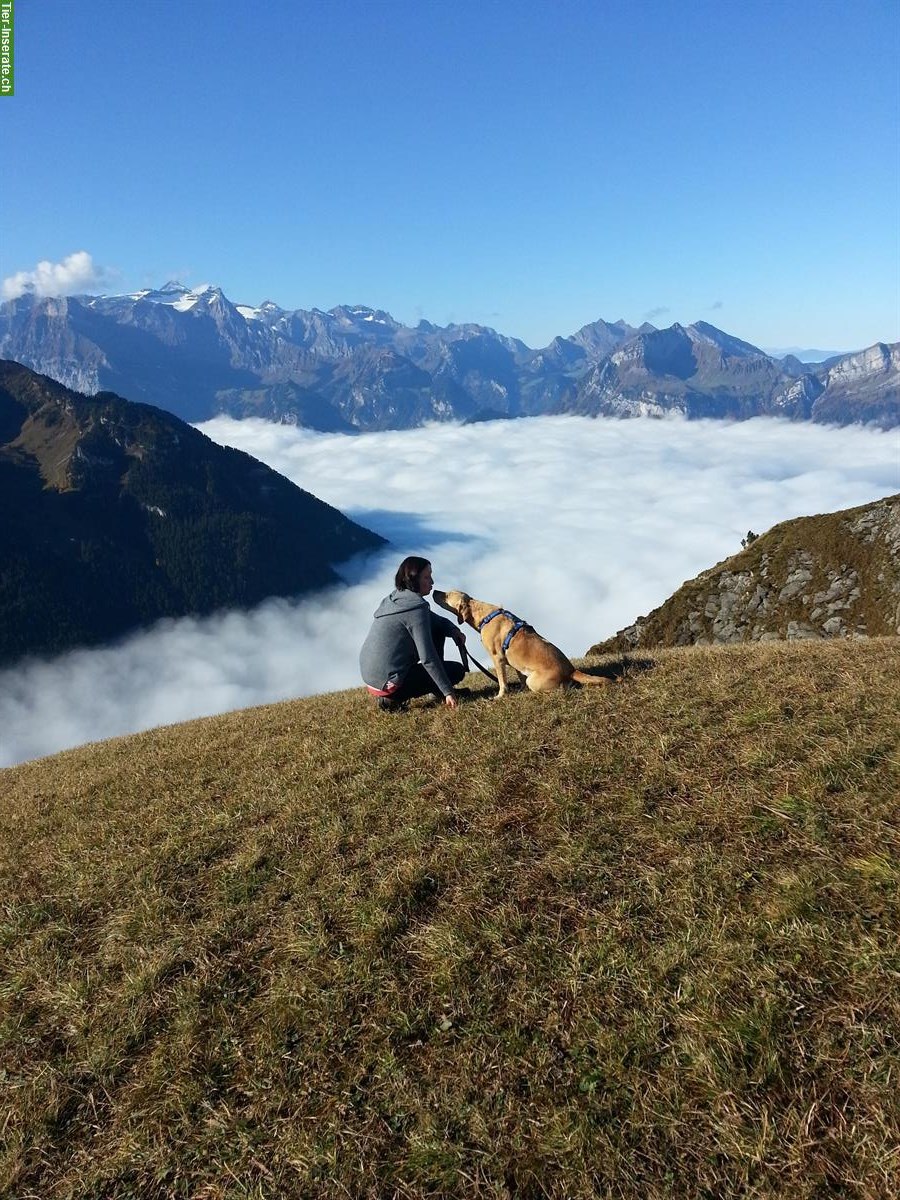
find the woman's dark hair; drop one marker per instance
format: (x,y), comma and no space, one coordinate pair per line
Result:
(407,577)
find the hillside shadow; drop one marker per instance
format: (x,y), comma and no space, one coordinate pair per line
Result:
(399,529)
(621,668)
(406,527)
(634,666)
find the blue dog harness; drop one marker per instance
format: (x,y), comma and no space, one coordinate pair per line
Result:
(516,626)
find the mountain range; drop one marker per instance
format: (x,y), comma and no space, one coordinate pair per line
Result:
(353,369)
(117,514)
(833,575)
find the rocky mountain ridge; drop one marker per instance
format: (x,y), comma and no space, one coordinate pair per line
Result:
(828,576)
(355,368)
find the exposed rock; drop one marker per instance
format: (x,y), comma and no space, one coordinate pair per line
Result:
(798,578)
(800,629)
(833,575)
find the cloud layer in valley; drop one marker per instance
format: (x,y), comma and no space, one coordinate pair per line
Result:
(578,525)
(76,273)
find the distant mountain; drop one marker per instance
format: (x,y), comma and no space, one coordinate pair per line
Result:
(352,369)
(804,355)
(862,387)
(833,575)
(702,372)
(116,514)
(699,371)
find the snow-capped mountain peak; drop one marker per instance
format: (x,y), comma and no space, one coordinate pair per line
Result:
(174,294)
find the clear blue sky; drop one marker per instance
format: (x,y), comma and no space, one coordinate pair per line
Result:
(526,164)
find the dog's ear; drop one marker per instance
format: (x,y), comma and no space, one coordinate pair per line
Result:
(464,612)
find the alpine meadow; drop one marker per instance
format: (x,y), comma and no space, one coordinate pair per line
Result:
(635,941)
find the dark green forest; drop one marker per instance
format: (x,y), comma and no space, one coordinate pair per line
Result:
(117,514)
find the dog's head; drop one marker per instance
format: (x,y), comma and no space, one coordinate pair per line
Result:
(457,603)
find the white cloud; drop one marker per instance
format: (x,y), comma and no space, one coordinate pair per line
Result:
(578,525)
(74,274)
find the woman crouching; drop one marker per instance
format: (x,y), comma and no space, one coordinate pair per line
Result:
(402,656)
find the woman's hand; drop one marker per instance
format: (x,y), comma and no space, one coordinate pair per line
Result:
(451,701)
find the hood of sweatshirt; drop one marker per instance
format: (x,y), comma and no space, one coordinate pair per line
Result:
(400,601)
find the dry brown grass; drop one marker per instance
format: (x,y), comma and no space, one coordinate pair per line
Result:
(639,941)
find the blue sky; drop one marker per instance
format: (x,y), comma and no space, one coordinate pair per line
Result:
(528,165)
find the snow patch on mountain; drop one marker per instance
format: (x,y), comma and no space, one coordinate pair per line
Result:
(173,294)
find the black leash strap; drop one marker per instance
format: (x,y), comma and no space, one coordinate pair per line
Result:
(465,656)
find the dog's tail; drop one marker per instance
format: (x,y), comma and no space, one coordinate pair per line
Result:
(581,677)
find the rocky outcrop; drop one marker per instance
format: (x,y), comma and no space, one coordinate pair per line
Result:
(828,576)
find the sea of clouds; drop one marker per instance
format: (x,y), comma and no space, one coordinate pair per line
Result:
(577,525)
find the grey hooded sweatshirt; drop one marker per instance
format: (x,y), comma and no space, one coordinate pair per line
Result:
(401,636)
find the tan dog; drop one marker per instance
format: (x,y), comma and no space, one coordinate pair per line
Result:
(542,665)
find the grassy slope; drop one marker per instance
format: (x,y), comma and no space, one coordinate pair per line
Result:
(632,941)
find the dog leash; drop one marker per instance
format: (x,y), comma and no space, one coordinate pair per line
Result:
(465,656)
